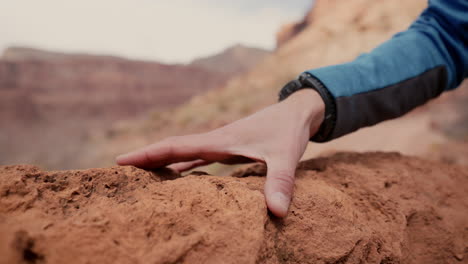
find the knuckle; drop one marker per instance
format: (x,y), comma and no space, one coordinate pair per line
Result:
(285,178)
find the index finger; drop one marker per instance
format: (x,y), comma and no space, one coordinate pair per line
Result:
(172,150)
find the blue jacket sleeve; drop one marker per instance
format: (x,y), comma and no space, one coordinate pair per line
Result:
(408,70)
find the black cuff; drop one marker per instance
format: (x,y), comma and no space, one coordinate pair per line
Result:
(306,80)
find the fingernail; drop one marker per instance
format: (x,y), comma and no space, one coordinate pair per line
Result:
(281,201)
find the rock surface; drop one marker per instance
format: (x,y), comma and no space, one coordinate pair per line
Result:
(348,208)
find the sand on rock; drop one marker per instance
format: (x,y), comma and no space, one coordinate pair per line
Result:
(347,208)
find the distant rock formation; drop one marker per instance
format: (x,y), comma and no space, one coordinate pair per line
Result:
(233,60)
(46,96)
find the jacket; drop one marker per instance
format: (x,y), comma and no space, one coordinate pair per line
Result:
(411,68)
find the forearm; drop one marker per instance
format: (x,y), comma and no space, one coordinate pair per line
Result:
(405,72)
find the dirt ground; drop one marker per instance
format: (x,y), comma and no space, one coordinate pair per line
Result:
(348,208)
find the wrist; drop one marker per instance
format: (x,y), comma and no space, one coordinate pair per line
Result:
(310,108)
(307,81)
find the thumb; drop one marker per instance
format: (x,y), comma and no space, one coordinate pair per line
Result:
(279,186)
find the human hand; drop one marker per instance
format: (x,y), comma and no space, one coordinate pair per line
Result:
(277,135)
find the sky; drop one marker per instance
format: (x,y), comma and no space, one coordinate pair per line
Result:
(171,31)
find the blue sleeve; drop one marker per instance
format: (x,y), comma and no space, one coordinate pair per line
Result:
(408,70)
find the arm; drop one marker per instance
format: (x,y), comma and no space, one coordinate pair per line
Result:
(404,72)
(408,70)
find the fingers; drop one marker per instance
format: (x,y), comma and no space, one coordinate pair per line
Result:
(185,166)
(279,186)
(173,150)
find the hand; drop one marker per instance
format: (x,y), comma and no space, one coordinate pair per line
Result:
(277,135)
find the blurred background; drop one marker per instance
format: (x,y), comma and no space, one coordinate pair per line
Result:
(84,81)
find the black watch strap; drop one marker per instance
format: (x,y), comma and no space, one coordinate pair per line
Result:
(306,80)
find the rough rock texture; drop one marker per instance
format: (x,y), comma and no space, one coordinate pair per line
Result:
(349,208)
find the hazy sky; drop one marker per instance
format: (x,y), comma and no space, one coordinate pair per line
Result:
(165,30)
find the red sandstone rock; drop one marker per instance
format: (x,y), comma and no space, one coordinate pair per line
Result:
(349,208)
